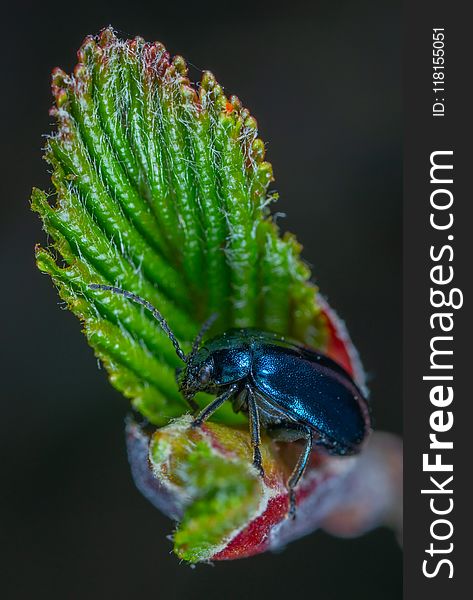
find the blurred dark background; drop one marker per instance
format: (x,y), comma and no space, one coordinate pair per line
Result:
(324,84)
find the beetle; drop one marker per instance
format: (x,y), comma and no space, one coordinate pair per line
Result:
(289,390)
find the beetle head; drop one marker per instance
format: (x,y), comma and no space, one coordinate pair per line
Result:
(197,374)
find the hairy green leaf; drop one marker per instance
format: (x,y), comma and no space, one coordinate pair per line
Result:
(161,188)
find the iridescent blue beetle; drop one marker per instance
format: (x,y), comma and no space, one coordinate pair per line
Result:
(289,390)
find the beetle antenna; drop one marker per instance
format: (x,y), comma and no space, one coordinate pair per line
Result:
(203,330)
(155,312)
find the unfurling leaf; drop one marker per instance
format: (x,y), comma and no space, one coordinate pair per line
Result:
(160,187)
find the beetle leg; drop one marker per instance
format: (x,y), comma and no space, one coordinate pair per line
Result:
(298,472)
(212,407)
(255,431)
